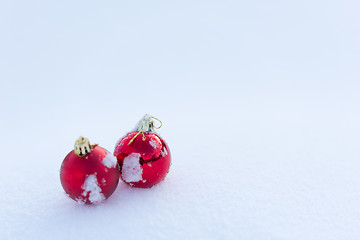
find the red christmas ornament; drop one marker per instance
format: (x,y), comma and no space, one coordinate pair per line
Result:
(143,156)
(89,174)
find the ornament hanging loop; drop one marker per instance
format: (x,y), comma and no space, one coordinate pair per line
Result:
(158,121)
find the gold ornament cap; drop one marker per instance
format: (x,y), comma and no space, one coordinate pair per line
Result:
(82,146)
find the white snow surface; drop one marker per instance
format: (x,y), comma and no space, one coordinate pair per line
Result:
(92,188)
(109,160)
(259,102)
(131,169)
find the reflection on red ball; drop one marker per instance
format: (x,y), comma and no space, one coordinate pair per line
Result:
(92,178)
(145,161)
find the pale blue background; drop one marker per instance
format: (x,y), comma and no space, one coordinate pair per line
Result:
(259,100)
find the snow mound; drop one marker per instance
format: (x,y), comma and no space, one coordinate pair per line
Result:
(131,169)
(91,186)
(109,161)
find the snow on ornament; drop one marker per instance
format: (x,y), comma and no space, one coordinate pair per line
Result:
(143,156)
(89,174)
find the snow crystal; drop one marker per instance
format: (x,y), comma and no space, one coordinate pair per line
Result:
(153,143)
(109,161)
(131,169)
(164,153)
(91,186)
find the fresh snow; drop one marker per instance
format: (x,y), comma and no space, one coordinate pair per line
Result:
(109,160)
(259,102)
(131,168)
(153,143)
(92,188)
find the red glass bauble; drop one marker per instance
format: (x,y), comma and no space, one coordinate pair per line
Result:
(144,159)
(91,178)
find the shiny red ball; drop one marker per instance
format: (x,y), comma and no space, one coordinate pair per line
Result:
(144,160)
(92,178)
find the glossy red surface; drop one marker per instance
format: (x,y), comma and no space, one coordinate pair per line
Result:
(155,161)
(75,169)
